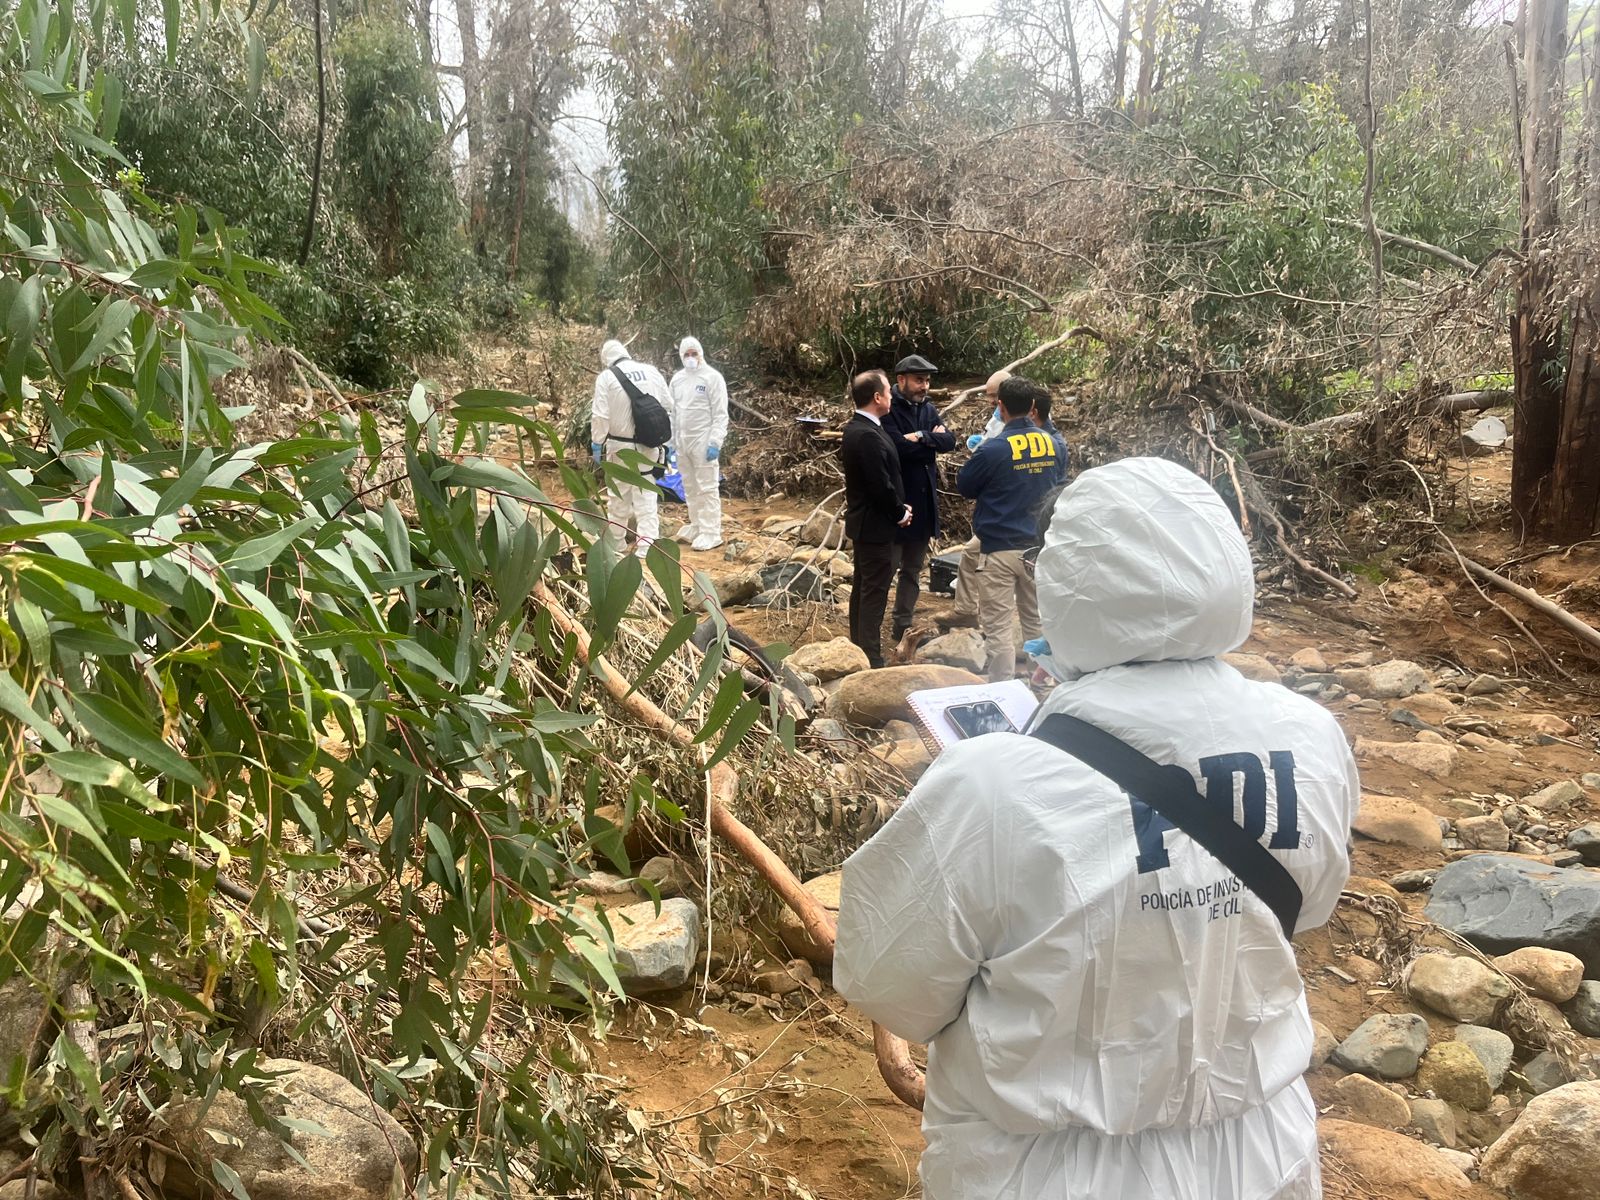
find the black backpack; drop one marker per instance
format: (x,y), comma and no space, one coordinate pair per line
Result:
(652,426)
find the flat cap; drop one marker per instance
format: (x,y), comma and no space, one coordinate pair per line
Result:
(915,364)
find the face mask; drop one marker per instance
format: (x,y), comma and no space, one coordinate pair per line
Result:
(691,361)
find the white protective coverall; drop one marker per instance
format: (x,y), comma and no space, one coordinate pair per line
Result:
(1094,1030)
(699,423)
(611,418)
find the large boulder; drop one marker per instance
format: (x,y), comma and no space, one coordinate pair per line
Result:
(832,659)
(1457,986)
(1501,903)
(366,1155)
(1552,1152)
(655,950)
(1392,1165)
(825,890)
(1584,1009)
(1397,822)
(959,648)
(1552,975)
(873,697)
(1387,1045)
(1431,758)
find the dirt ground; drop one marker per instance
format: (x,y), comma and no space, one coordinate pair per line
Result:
(790,1101)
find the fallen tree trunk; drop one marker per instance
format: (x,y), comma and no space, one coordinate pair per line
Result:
(1455,402)
(1584,632)
(893,1053)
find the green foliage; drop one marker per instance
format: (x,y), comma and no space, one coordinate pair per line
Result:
(252,662)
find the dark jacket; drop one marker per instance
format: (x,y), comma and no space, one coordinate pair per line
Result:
(918,463)
(874,499)
(1009,477)
(1062,453)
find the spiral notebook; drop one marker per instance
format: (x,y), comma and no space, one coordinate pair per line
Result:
(931,708)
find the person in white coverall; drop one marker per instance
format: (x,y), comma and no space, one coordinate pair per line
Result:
(610,423)
(700,426)
(1094,1029)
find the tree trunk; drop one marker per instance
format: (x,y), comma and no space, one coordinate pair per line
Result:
(472,89)
(1535,327)
(1202,28)
(1073,63)
(1119,68)
(1147,63)
(322,130)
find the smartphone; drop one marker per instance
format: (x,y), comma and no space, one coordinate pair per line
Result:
(979,718)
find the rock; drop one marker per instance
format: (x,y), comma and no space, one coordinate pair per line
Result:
(1309,659)
(1432,707)
(1533,724)
(1387,1045)
(1434,1120)
(17,1189)
(655,951)
(1461,1160)
(831,659)
(1254,666)
(1551,1152)
(739,588)
(670,876)
(825,888)
(1488,745)
(1501,903)
(1583,1011)
(1585,839)
(777,982)
(1456,985)
(1429,758)
(1486,436)
(1558,797)
(1461,807)
(1549,1013)
(1393,680)
(1485,685)
(841,568)
(1453,1072)
(899,731)
(1493,1048)
(1363,969)
(873,697)
(1552,975)
(1371,1101)
(1590,780)
(910,757)
(959,648)
(795,578)
(1545,1072)
(1413,881)
(1399,822)
(1392,1165)
(1484,833)
(1323,1043)
(366,1154)
(822,530)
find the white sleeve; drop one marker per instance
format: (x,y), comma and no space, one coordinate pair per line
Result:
(600,411)
(908,946)
(719,408)
(1318,901)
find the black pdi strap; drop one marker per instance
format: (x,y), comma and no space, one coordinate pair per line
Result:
(649,414)
(1171,791)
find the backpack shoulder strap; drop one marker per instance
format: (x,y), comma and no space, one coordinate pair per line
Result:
(1171,791)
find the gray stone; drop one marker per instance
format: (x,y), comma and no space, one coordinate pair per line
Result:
(1551,1152)
(1558,797)
(1501,904)
(959,648)
(738,589)
(366,1154)
(1323,1043)
(1413,881)
(1456,985)
(655,951)
(1583,1010)
(830,733)
(1485,685)
(1544,1072)
(1387,1045)
(1493,1048)
(1483,833)
(1585,839)
(1590,780)
(671,877)
(1435,1120)
(1393,680)
(796,579)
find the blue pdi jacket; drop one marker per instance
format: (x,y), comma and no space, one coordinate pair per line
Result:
(1009,476)
(919,469)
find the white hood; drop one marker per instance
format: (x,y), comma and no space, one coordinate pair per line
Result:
(691,345)
(1143,562)
(613,351)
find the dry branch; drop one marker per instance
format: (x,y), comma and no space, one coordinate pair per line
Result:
(965,394)
(1585,633)
(894,1055)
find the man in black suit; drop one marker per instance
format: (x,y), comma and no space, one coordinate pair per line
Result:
(874,509)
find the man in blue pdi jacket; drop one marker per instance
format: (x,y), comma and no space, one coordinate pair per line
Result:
(1009,476)
(914,426)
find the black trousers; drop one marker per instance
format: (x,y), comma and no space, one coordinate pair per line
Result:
(909,558)
(869,596)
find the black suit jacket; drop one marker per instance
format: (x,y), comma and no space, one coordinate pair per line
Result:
(874,497)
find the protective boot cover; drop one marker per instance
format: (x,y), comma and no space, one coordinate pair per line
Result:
(1108,1012)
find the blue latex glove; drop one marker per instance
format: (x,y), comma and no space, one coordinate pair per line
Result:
(1036,647)
(975,441)
(713,453)
(596,450)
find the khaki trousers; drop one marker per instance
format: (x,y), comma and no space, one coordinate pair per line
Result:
(967,579)
(1005,592)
